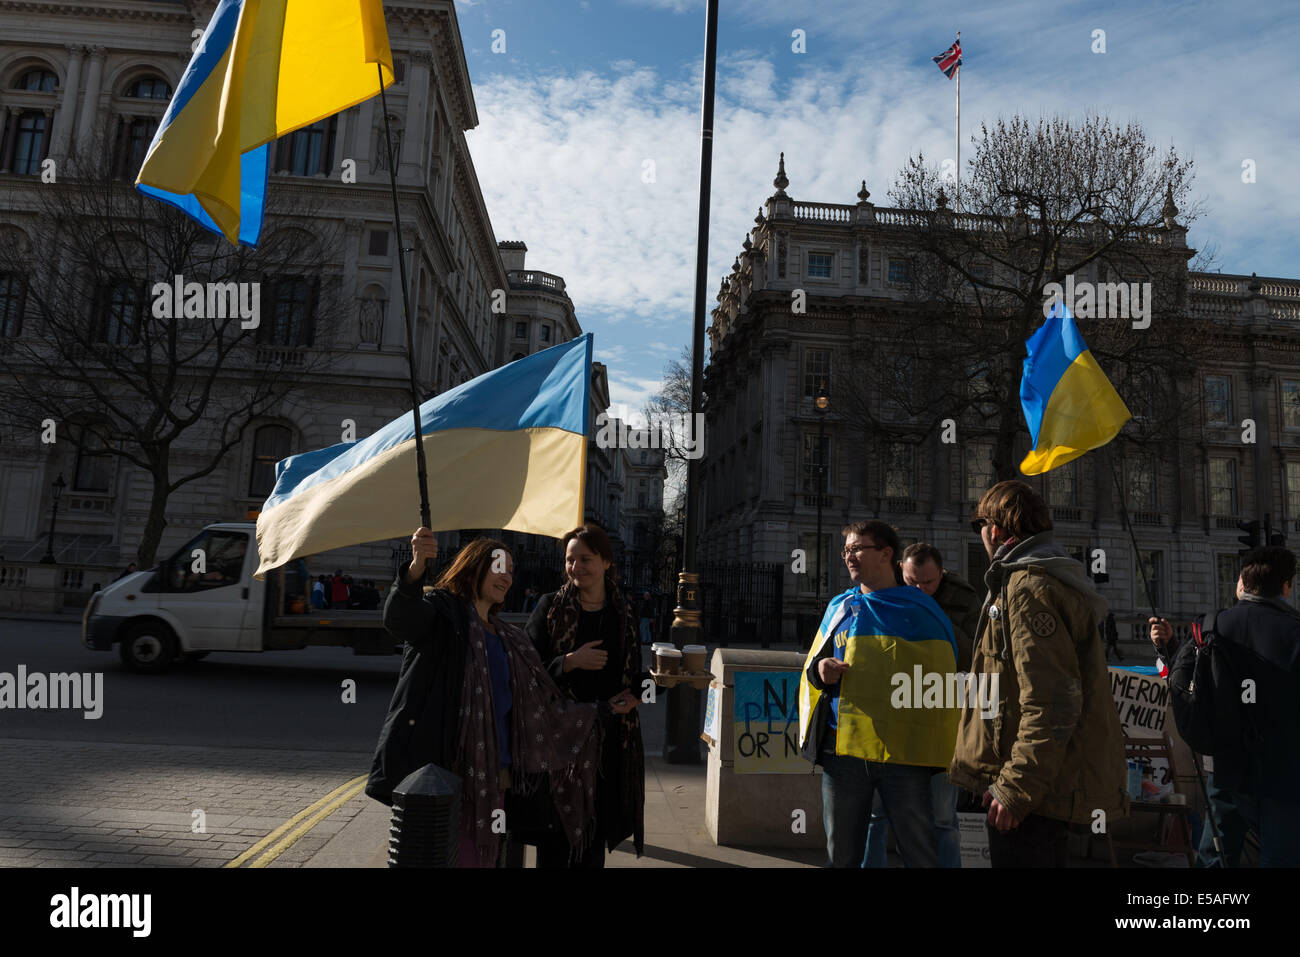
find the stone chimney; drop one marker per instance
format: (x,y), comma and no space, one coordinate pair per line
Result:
(512,255)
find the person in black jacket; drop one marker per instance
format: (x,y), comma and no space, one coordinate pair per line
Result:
(586,634)
(1255,782)
(473,698)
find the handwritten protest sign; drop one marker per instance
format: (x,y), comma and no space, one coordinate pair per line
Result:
(766,717)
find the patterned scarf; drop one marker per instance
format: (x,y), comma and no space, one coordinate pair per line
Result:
(562,622)
(549,735)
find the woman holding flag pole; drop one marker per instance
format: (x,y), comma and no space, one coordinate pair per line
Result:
(473,697)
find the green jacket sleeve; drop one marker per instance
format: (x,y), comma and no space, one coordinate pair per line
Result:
(1051,697)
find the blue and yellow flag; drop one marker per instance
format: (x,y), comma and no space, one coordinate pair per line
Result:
(1070,406)
(262,69)
(505,450)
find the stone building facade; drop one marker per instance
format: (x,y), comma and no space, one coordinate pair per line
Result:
(763,468)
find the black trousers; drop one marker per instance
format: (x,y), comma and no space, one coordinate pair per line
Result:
(1037,842)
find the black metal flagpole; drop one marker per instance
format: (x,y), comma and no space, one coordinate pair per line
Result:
(422,470)
(681,744)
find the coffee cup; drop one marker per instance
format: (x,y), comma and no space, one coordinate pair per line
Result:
(694,658)
(669,661)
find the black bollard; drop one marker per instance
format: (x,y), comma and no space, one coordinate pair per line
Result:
(426,819)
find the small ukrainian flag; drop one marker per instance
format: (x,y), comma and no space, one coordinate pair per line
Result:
(263,68)
(1070,406)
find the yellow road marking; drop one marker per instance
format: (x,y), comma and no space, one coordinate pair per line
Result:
(323,805)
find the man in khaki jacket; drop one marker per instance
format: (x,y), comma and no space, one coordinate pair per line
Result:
(1053,754)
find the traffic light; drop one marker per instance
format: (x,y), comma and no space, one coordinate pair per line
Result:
(1251,538)
(1273,539)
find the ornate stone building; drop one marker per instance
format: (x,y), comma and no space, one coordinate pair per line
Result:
(764,474)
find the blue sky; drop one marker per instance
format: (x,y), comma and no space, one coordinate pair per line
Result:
(588,91)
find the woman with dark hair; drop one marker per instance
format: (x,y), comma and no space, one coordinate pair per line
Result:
(473,698)
(587,636)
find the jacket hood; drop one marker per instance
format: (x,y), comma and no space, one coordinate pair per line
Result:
(1042,552)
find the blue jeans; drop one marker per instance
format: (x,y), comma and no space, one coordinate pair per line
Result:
(848,786)
(646,637)
(943,799)
(1236,813)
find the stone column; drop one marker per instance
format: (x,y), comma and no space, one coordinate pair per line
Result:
(417,113)
(350,334)
(68,105)
(90,105)
(10,134)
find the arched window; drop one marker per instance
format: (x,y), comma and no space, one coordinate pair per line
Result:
(37,81)
(27,142)
(94,468)
(133,139)
(270,444)
(119,312)
(309,151)
(13,290)
(149,88)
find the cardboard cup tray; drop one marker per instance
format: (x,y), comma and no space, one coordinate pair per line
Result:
(696,679)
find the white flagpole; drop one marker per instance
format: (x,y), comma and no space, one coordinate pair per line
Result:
(958,198)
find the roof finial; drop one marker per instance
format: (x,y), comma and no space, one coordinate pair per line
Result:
(781,181)
(863,194)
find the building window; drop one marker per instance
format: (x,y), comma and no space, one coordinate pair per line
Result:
(640,499)
(1291,404)
(816,466)
(1063,485)
(900,271)
(12,294)
(37,81)
(293,306)
(29,142)
(133,139)
(94,468)
(808,582)
(309,151)
(644,455)
(1227,568)
(1153,567)
(521,330)
(1140,471)
(1293,490)
(981,273)
(816,371)
(899,461)
(819,265)
(399,71)
(1218,400)
(149,88)
(1223,486)
(270,445)
(979,470)
(119,312)
(546,333)
(378,242)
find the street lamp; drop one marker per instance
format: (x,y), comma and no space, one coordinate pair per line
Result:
(821,404)
(58,487)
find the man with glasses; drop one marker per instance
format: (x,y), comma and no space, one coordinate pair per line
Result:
(1050,752)
(923,568)
(858,716)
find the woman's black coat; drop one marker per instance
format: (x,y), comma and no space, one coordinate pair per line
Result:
(423,722)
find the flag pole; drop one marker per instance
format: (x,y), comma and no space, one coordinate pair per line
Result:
(958,197)
(421,469)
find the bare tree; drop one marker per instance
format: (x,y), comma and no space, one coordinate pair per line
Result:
(122,368)
(1041,201)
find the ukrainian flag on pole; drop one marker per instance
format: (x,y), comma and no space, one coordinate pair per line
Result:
(262,69)
(505,450)
(1070,406)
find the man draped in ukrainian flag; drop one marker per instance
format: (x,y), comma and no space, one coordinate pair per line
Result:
(858,716)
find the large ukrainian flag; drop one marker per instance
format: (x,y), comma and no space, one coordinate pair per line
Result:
(1070,406)
(884,634)
(262,69)
(505,450)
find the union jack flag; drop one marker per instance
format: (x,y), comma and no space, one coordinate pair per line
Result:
(949,59)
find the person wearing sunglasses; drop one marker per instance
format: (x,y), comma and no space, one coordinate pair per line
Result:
(854,722)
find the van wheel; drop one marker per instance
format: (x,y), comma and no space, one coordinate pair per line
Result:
(148,648)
